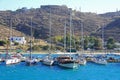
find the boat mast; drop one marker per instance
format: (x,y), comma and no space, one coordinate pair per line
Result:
(50,32)
(10,35)
(31,40)
(9,38)
(82,37)
(65,37)
(103,38)
(73,35)
(70,29)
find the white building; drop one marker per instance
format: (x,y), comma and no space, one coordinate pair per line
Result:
(20,40)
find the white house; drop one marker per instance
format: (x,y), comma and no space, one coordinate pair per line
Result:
(20,40)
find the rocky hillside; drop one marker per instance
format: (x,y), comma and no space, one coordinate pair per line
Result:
(110,30)
(21,21)
(5,32)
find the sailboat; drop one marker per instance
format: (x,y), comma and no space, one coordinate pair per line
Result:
(101,60)
(47,60)
(31,61)
(68,61)
(81,59)
(10,59)
(64,55)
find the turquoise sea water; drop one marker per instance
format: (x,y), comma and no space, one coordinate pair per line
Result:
(90,71)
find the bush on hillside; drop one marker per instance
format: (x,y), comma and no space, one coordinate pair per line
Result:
(2,43)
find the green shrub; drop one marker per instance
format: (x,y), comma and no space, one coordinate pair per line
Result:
(16,43)
(45,47)
(2,43)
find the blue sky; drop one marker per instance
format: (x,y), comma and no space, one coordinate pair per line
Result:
(97,6)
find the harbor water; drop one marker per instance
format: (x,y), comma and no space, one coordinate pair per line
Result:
(90,71)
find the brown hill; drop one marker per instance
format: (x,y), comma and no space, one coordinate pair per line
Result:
(5,32)
(21,20)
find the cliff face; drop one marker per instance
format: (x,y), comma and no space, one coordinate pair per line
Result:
(21,20)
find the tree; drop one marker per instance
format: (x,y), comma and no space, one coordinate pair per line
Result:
(91,42)
(2,43)
(110,43)
(36,48)
(97,44)
(57,39)
(45,47)
(86,41)
(16,43)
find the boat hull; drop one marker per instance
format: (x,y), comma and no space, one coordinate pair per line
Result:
(12,61)
(69,65)
(82,62)
(100,61)
(31,62)
(48,62)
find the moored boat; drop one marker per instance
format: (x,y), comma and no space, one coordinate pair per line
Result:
(9,58)
(31,61)
(67,63)
(99,61)
(48,61)
(82,61)
(12,61)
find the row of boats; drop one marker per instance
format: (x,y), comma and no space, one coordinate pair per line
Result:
(65,61)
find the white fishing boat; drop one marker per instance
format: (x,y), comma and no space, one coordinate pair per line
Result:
(47,60)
